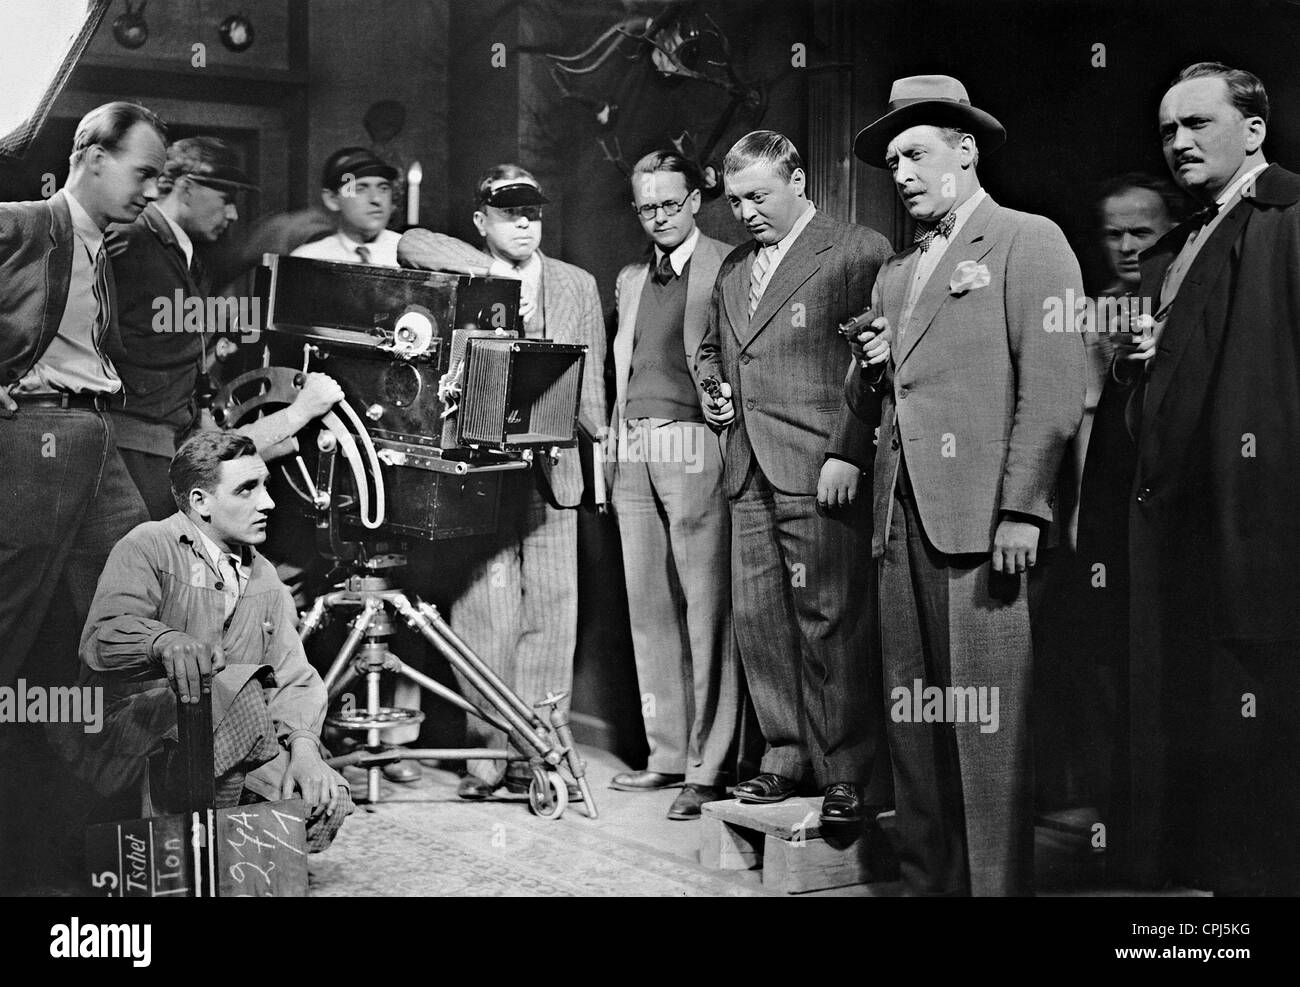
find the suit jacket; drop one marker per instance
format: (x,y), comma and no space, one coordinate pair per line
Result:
(159,370)
(571,304)
(36,240)
(786,364)
(1218,454)
(705,262)
(978,395)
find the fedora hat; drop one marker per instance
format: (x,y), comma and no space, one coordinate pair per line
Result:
(938,100)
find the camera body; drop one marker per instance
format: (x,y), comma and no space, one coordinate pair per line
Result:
(436,369)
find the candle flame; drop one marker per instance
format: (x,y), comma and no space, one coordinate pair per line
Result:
(415,173)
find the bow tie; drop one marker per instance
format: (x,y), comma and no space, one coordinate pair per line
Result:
(926,232)
(1203,216)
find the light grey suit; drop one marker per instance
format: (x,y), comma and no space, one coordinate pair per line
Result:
(976,405)
(675,530)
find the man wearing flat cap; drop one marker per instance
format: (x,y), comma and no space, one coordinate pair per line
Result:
(519,606)
(976,378)
(357,188)
(161,362)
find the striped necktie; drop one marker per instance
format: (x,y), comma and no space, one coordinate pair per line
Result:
(758,276)
(364,253)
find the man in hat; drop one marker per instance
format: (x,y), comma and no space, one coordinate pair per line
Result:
(800,573)
(519,607)
(979,396)
(357,188)
(161,357)
(1214,534)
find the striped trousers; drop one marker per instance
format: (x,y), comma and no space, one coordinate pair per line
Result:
(519,612)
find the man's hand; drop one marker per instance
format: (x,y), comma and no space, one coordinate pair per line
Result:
(7,404)
(187,662)
(1138,345)
(871,345)
(722,412)
(1015,546)
(317,782)
(320,393)
(838,484)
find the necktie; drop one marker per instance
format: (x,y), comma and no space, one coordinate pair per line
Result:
(230,582)
(758,276)
(926,232)
(664,272)
(1203,216)
(102,294)
(364,253)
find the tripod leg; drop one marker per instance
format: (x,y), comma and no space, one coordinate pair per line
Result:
(506,702)
(373,738)
(442,692)
(312,619)
(480,667)
(355,634)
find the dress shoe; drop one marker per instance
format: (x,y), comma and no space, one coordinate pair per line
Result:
(690,798)
(766,787)
(644,781)
(474,788)
(843,803)
(402,772)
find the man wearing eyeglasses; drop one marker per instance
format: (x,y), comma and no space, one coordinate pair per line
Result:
(673,520)
(519,608)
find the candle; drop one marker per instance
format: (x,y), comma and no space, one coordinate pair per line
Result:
(413,176)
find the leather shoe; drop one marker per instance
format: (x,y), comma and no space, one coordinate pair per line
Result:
(843,803)
(644,781)
(766,787)
(474,788)
(403,772)
(690,798)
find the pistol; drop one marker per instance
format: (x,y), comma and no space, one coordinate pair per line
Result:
(850,329)
(712,387)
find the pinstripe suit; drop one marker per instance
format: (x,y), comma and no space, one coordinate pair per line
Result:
(800,581)
(519,611)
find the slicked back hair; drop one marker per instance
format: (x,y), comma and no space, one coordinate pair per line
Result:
(197,462)
(1245,90)
(107,126)
(765,147)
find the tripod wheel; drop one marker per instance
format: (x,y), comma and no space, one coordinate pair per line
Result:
(551,800)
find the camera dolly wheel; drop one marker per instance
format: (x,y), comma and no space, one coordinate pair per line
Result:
(548,795)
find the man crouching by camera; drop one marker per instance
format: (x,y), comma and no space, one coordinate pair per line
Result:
(190,598)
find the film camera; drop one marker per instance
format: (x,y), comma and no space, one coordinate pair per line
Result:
(443,398)
(443,395)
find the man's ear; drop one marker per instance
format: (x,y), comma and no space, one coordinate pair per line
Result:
(480,222)
(199,503)
(330,199)
(799,180)
(1256,130)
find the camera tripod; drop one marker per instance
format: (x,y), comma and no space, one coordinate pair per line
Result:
(368,589)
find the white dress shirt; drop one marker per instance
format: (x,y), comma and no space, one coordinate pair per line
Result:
(342,249)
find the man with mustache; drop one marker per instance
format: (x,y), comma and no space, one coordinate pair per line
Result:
(977,394)
(161,363)
(1214,530)
(800,533)
(190,599)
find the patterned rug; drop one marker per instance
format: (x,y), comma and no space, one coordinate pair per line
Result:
(427,842)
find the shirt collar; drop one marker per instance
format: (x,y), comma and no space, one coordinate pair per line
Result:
(1233,190)
(964,211)
(182,238)
(804,219)
(243,558)
(680,253)
(91,235)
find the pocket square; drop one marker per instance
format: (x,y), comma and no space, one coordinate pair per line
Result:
(968,276)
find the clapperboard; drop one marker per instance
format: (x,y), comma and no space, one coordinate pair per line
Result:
(257,851)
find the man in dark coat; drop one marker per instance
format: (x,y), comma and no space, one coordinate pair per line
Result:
(1213,521)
